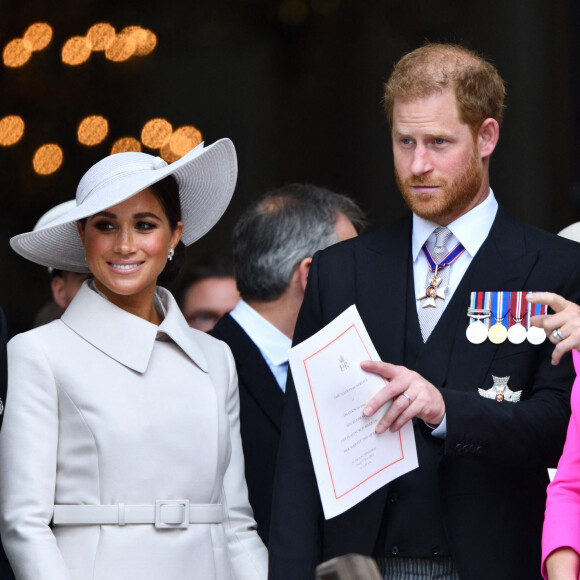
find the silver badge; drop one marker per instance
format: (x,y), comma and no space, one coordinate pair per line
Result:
(517,333)
(536,335)
(476,332)
(500,391)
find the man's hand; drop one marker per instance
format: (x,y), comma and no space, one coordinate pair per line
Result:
(567,319)
(411,394)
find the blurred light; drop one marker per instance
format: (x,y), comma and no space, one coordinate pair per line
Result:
(125,144)
(145,40)
(156,133)
(100,36)
(47,159)
(122,48)
(16,53)
(38,35)
(76,50)
(92,130)
(293,11)
(11,130)
(167,154)
(184,140)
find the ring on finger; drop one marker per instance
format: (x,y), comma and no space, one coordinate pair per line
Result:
(557,334)
(407,397)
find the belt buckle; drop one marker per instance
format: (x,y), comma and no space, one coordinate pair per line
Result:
(160,503)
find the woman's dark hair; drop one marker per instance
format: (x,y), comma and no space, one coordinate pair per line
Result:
(167,192)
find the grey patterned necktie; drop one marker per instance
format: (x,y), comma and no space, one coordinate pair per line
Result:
(429,315)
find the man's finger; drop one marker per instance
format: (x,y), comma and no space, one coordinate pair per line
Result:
(556,302)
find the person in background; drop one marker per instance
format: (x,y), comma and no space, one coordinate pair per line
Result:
(473,509)
(120,451)
(63,284)
(273,244)
(208,291)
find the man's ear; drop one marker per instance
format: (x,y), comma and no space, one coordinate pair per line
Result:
(58,294)
(303,270)
(487,137)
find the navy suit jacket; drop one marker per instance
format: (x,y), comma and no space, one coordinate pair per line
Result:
(492,463)
(261,405)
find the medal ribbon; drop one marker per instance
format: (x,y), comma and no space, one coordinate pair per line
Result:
(535,309)
(447,261)
(480,301)
(497,311)
(515,308)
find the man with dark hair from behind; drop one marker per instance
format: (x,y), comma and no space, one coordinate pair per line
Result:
(489,414)
(208,290)
(273,245)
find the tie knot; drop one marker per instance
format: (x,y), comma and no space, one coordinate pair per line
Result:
(442,236)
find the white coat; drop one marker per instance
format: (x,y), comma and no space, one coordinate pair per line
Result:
(107,408)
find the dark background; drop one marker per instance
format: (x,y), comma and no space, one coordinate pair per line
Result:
(297,85)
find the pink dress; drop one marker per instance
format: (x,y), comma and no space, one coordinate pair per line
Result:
(562,521)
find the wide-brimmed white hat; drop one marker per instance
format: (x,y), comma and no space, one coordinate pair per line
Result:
(206,177)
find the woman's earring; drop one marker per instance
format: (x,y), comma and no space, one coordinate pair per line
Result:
(171,254)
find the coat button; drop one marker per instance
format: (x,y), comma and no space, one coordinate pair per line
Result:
(459,447)
(435,551)
(393,498)
(395,550)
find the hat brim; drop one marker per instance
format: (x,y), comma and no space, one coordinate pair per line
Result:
(206,177)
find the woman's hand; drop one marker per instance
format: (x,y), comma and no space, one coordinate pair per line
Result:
(566,319)
(563,564)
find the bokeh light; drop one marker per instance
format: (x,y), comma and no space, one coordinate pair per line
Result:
(11,130)
(16,53)
(122,48)
(76,50)
(100,36)
(92,130)
(145,40)
(167,154)
(156,133)
(125,144)
(47,159)
(38,35)
(183,140)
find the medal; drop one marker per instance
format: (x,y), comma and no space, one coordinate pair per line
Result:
(500,391)
(516,332)
(535,335)
(498,332)
(434,289)
(479,312)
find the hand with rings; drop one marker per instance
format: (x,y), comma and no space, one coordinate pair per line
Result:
(563,327)
(411,396)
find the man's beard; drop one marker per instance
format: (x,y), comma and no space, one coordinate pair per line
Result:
(451,199)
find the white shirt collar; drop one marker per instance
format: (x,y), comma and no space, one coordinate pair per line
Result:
(273,343)
(471,229)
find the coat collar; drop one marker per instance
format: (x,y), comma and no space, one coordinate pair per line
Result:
(125,337)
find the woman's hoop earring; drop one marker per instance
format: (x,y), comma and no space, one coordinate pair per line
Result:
(171,254)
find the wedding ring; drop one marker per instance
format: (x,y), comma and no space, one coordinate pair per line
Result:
(407,396)
(556,335)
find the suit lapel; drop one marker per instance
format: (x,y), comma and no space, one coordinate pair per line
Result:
(502,263)
(253,372)
(382,287)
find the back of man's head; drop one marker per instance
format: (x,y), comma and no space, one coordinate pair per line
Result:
(280,230)
(433,68)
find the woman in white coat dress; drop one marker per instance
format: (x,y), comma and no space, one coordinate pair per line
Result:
(120,452)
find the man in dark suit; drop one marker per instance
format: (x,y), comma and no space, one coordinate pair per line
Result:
(474,507)
(273,245)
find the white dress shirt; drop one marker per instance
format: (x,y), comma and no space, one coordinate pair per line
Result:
(271,342)
(471,229)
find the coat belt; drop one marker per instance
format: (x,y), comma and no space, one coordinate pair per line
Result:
(164,513)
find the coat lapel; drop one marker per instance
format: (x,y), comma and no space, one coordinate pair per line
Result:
(382,287)
(253,371)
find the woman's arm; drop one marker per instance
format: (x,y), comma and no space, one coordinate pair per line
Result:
(563,564)
(28,456)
